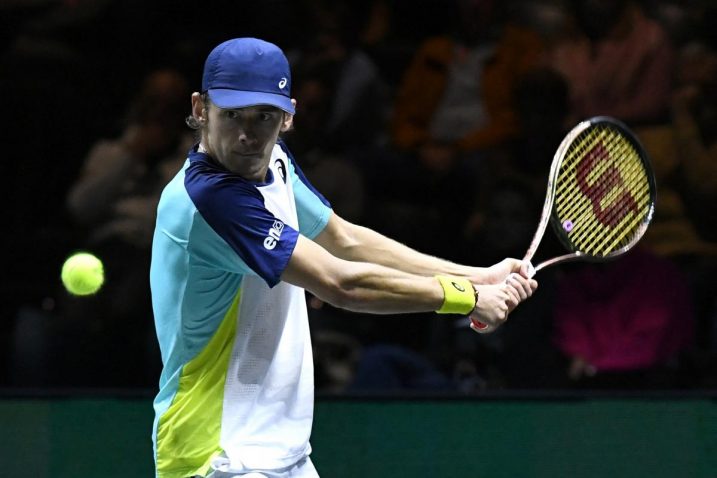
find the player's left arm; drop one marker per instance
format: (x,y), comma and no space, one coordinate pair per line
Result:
(360,244)
(357,243)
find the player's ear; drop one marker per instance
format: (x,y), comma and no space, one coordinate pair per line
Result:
(198,107)
(288,119)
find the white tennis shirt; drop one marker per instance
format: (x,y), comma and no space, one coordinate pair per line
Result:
(238,371)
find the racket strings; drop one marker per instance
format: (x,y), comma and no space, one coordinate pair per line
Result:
(619,190)
(609,239)
(640,195)
(629,181)
(587,237)
(595,237)
(573,157)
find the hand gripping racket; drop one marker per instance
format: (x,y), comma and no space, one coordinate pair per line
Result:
(601,194)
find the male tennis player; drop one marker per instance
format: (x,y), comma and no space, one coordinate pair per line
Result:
(240,234)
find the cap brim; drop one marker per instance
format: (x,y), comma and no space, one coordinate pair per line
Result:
(225,98)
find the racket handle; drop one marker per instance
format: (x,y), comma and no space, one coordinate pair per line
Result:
(479,325)
(531,273)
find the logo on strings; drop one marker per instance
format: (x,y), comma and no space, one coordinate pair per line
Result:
(609,180)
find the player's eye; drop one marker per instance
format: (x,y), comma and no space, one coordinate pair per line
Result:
(265,116)
(231,114)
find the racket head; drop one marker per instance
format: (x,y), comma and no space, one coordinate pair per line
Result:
(603,190)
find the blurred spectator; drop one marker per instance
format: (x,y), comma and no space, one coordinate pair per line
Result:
(420,178)
(453,107)
(515,176)
(106,338)
(325,162)
(341,104)
(119,186)
(684,157)
(452,357)
(353,111)
(624,324)
(541,102)
(456,92)
(614,60)
(678,18)
(695,126)
(43,71)
(503,223)
(680,227)
(618,62)
(341,99)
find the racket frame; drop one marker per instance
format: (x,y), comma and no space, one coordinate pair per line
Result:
(548,214)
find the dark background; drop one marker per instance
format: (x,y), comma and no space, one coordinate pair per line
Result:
(68,71)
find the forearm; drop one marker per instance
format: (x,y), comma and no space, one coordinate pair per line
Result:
(381,290)
(368,287)
(362,244)
(361,286)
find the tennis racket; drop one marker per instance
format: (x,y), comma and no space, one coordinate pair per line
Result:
(601,194)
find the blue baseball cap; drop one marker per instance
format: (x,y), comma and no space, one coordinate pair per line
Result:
(248,72)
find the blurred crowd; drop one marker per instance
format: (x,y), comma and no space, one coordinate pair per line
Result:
(434,122)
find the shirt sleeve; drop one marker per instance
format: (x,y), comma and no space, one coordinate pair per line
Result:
(313,209)
(235,211)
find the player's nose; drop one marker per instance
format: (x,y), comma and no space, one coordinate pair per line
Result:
(246,136)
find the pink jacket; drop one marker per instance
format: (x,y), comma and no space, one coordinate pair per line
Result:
(630,314)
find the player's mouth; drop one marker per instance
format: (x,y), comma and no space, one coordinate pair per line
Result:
(248,154)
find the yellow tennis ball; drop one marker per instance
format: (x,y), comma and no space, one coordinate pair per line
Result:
(83,274)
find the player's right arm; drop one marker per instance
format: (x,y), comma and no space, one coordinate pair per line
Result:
(373,288)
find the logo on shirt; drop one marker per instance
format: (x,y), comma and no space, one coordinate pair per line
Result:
(282,169)
(272,239)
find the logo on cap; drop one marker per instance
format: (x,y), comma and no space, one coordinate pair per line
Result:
(282,83)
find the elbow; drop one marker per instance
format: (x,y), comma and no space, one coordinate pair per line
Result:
(340,293)
(340,298)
